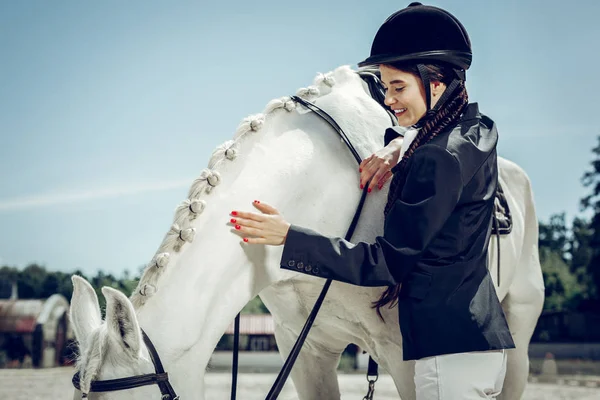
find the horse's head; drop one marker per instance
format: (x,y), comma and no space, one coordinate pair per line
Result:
(108,349)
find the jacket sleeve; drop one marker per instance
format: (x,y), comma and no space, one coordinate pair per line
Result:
(430,194)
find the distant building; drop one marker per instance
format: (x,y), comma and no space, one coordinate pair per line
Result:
(258,350)
(257,333)
(33,332)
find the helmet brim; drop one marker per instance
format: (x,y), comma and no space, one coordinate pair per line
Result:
(459,59)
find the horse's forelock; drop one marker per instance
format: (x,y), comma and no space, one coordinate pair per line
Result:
(91,358)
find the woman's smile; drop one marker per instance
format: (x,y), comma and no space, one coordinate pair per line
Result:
(399,111)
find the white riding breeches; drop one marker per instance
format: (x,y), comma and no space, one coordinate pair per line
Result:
(461,376)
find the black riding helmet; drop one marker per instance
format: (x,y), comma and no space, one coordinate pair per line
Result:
(430,34)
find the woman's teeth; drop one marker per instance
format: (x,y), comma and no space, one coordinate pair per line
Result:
(400,111)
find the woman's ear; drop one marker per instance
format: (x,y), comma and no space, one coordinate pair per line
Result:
(437,88)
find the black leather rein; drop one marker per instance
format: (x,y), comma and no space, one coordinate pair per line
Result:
(291,359)
(160,378)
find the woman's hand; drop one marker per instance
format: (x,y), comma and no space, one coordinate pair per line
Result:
(267,228)
(378,167)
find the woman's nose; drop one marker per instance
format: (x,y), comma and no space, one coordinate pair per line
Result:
(389,100)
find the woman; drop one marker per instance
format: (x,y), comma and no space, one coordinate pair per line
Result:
(433,254)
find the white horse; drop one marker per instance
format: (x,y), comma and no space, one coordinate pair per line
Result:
(202,274)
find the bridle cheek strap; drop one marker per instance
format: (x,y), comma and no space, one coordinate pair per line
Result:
(160,378)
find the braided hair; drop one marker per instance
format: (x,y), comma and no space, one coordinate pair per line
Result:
(431,124)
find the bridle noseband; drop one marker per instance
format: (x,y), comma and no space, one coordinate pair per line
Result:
(160,378)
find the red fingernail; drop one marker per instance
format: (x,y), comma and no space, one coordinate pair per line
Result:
(362,186)
(245,239)
(233,221)
(256,201)
(360,170)
(234,213)
(369,190)
(237,227)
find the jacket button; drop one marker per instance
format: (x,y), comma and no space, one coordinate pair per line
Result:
(315,270)
(291,263)
(300,265)
(308,268)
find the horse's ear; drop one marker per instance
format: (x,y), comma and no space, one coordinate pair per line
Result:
(122,322)
(85,310)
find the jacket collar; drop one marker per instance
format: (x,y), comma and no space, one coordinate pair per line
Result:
(471,112)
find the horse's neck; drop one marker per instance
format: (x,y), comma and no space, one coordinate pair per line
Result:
(299,165)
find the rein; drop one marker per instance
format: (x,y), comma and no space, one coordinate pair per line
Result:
(291,359)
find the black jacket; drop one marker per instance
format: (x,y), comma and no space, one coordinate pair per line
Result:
(435,243)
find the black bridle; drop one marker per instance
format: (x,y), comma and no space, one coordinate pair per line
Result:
(160,378)
(377,93)
(291,359)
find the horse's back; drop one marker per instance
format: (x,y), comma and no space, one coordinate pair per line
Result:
(512,176)
(528,277)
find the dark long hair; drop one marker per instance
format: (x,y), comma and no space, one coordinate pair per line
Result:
(431,125)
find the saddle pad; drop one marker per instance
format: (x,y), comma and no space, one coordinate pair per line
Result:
(503,223)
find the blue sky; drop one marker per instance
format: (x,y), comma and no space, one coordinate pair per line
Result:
(108,110)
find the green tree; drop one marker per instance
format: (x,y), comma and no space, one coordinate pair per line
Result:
(580,249)
(591,179)
(8,276)
(554,237)
(50,285)
(30,281)
(35,282)
(124,284)
(563,291)
(255,306)
(562,288)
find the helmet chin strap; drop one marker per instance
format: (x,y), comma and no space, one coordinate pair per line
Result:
(427,86)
